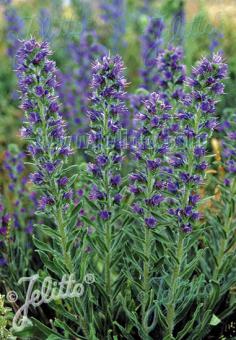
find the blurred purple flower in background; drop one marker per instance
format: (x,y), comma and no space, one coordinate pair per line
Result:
(152,45)
(14,29)
(114,15)
(74,90)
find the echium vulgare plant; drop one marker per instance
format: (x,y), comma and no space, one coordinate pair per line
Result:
(197,122)
(48,145)
(107,153)
(148,201)
(146,232)
(170,170)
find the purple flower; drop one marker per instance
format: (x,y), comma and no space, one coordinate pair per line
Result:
(68,195)
(194,199)
(39,91)
(49,167)
(65,151)
(37,178)
(157,199)
(102,160)
(187,228)
(137,209)
(153,165)
(199,151)
(105,215)
(94,169)
(115,180)
(96,194)
(227,182)
(134,190)
(34,117)
(151,222)
(106,113)
(117,198)
(62,182)
(45,201)
(172,187)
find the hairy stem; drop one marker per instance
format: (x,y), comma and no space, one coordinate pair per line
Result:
(61,228)
(174,280)
(146,275)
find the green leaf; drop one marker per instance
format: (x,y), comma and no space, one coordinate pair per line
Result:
(44,329)
(214,320)
(48,231)
(189,325)
(45,247)
(70,168)
(64,326)
(51,265)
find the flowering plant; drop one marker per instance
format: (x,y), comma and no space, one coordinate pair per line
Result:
(131,233)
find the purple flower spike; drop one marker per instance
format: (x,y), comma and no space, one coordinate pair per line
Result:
(48,143)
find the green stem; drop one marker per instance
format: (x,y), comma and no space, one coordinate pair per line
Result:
(147,254)
(108,260)
(146,274)
(61,228)
(172,298)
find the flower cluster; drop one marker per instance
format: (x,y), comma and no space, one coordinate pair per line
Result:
(107,110)
(173,143)
(197,121)
(171,73)
(44,128)
(152,151)
(151,47)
